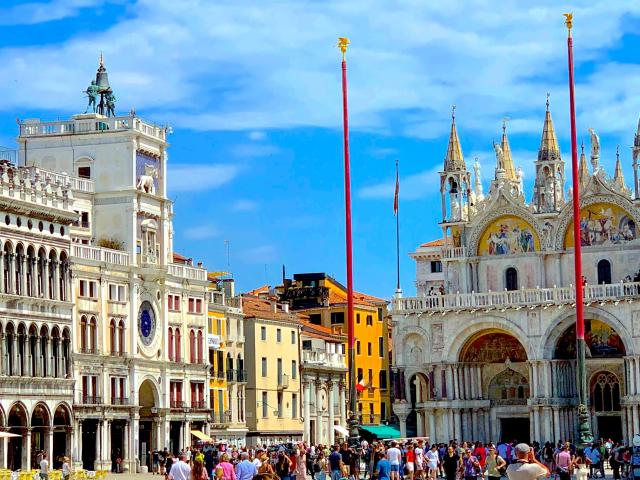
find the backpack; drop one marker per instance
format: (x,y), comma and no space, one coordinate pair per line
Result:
(316,467)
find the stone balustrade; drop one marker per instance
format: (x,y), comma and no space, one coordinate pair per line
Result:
(75,183)
(526,297)
(320,357)
(98,254)
(188,272)
(90,123)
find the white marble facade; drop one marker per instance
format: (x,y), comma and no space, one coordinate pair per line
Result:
(486,350)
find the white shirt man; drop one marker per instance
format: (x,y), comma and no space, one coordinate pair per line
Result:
(526,467)
(394,456)
(44,467)
(180,470)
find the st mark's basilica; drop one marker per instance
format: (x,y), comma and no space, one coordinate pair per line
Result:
(486,350)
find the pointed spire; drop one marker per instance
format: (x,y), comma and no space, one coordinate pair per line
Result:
(583,170)
(509,169)
(101,59)
(618,177)
(549,149)
(454,161)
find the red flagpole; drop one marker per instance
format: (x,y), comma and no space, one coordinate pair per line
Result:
(584,421)
(342,44)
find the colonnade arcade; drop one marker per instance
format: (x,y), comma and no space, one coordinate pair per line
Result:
(34,272)
(39,431)
(34,351)
(494,389)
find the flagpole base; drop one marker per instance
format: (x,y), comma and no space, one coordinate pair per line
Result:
(354,430)
(398,293)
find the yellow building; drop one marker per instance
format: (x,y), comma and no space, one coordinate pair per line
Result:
(228,377)
(324,300)
(272,350)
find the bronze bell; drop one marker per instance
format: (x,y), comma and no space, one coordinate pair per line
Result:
(102,77)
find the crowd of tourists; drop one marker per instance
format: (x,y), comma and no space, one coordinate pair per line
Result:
(413,459)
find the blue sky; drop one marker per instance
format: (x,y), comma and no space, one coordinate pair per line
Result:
(252,90)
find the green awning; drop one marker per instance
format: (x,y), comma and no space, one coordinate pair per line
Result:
(381,431)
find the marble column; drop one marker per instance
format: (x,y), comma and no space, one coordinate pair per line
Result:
(126,453)
(556,424)
(487,427)
(318,384)
(98,464)
(636,420)
(449,380)
(343,405)
(27,450)
(331,392)
(79,444)
(432,425)
(306,388)
(420,422)
(458,424)
(5,451)
(403,425)
(49,447)
(456,385)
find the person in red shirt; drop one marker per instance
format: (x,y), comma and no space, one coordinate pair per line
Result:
(480,452)
(411,461)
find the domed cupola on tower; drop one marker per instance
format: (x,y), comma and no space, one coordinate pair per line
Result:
(548,189)
(455,180)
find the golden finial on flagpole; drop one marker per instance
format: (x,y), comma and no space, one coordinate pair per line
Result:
(568,21)
(343,43)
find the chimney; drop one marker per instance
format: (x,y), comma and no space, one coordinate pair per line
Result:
(200,264)
(274,306)
(285,307)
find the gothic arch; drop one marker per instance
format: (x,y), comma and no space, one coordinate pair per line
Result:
(148,384)
(558,326)
(493,346)
(498,324)
(501,207)
(606,196)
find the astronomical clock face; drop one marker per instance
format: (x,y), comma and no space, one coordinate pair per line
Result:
(146,323)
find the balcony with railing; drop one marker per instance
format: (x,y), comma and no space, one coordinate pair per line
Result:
(76,184)
(91,123)
(90,400)
(220,375)
(120,401)
(454,252)
(178,404)
(241,375)
(198,404)
(323,358)
(526,297)
(230,376)
(218,418)
(188,272)
(90,350)
(99,254)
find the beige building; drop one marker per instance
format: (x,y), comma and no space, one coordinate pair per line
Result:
(272,349)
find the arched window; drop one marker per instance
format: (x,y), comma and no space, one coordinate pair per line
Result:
(66,352)
(22,350)
(192,346)
(606,393)
(33,350)
(112,337)
(604,272)
(199,346)
(511,279)
(121,343)
(55,352)
(31,266)
(51,275)
(170,341)
(8,255)
(83,334)
(177,341)
(93,330)
(42,266)
(44,351)
(19,269)
(10,350)
(63,276)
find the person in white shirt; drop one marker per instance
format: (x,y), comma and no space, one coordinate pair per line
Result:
(394,456)
(432,461)
(526,467)
(180,470)
(44,467)
(256,459)
(419,451)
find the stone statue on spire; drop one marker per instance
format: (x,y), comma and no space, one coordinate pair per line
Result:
(478,181)
(100,88)
(595,150)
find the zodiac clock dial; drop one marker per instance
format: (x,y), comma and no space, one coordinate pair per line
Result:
(146,323)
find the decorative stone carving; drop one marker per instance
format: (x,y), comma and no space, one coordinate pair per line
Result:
(146,182)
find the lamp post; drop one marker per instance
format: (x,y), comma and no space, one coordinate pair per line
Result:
(584,422)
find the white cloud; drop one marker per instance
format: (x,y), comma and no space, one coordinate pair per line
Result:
(257,135)
(408,62)
(244,205)
(202,232)
(198,177)
(39,12)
